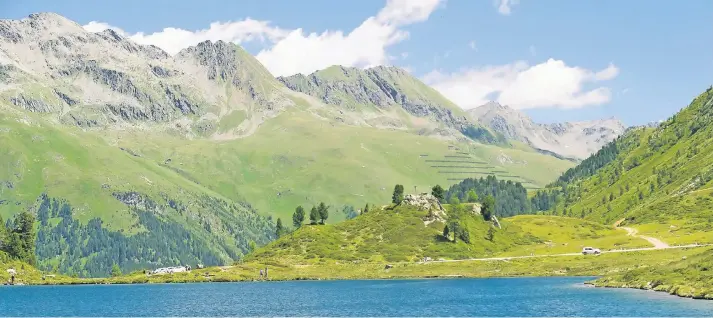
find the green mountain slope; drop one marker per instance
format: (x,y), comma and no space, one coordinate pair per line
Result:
(97,204)
(296,159)
(658,178)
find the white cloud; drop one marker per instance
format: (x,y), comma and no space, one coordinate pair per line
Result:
(472,46)
(364,46)
(608,73)
(505,6)
(519,85)
(294,51)
(172,40)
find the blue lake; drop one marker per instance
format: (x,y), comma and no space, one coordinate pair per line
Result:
(451,297)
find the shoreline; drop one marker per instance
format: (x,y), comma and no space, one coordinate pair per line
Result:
(603,271)
(673,290)
(84,282)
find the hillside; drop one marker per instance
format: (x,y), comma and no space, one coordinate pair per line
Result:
(575,140)
(659,180)
(122,143)
(409,233)
(689,276)
(128,210)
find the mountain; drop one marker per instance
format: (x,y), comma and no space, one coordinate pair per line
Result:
(658,180)
(52,65)
(387,97)
(576,140)
(119,149)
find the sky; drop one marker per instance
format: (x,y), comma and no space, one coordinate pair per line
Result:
(639,61)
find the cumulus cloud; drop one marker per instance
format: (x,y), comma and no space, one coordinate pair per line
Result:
(294,51)
(519,85)
(365,46)
(505,6)
(172,40)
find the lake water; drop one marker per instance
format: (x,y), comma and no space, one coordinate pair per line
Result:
(450,297)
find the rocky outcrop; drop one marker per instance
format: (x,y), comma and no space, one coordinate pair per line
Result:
(426,202)
(575,140)
(31,104)
(380,88)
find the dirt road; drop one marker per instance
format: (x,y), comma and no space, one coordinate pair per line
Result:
(658,244)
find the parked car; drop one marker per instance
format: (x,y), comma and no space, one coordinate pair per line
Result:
(591,250)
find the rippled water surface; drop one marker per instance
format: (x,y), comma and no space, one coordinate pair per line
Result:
(451,297)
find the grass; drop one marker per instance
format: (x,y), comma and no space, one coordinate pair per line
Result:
(232,120)
(296,159)
(400,235)
(690,275)
(382,235)
(66,163)
(605,264)
(569,235)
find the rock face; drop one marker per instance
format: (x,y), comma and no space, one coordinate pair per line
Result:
(49,64)
(426,202)
(575,140)
(380,93)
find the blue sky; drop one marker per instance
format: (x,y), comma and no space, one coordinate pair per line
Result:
(639,61)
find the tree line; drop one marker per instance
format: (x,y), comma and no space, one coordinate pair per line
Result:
(17,237)
(510,197)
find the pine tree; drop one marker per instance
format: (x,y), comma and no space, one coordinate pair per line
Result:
(438,192)
(298,217)
(491,234)
(472,196)
(323,212)
(115,270)
(313,216)
(488,207)
(3,234)
(279,229)
(366,209)
(398,195)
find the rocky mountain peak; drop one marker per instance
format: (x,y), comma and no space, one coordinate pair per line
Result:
(567,139)
(38,26)
(104,79)
(383,90)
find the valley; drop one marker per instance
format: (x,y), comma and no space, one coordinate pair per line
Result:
(117,158)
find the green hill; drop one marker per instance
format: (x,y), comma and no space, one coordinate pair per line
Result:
(659,180)
(408,233)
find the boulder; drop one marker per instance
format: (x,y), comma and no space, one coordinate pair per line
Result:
(426,202)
